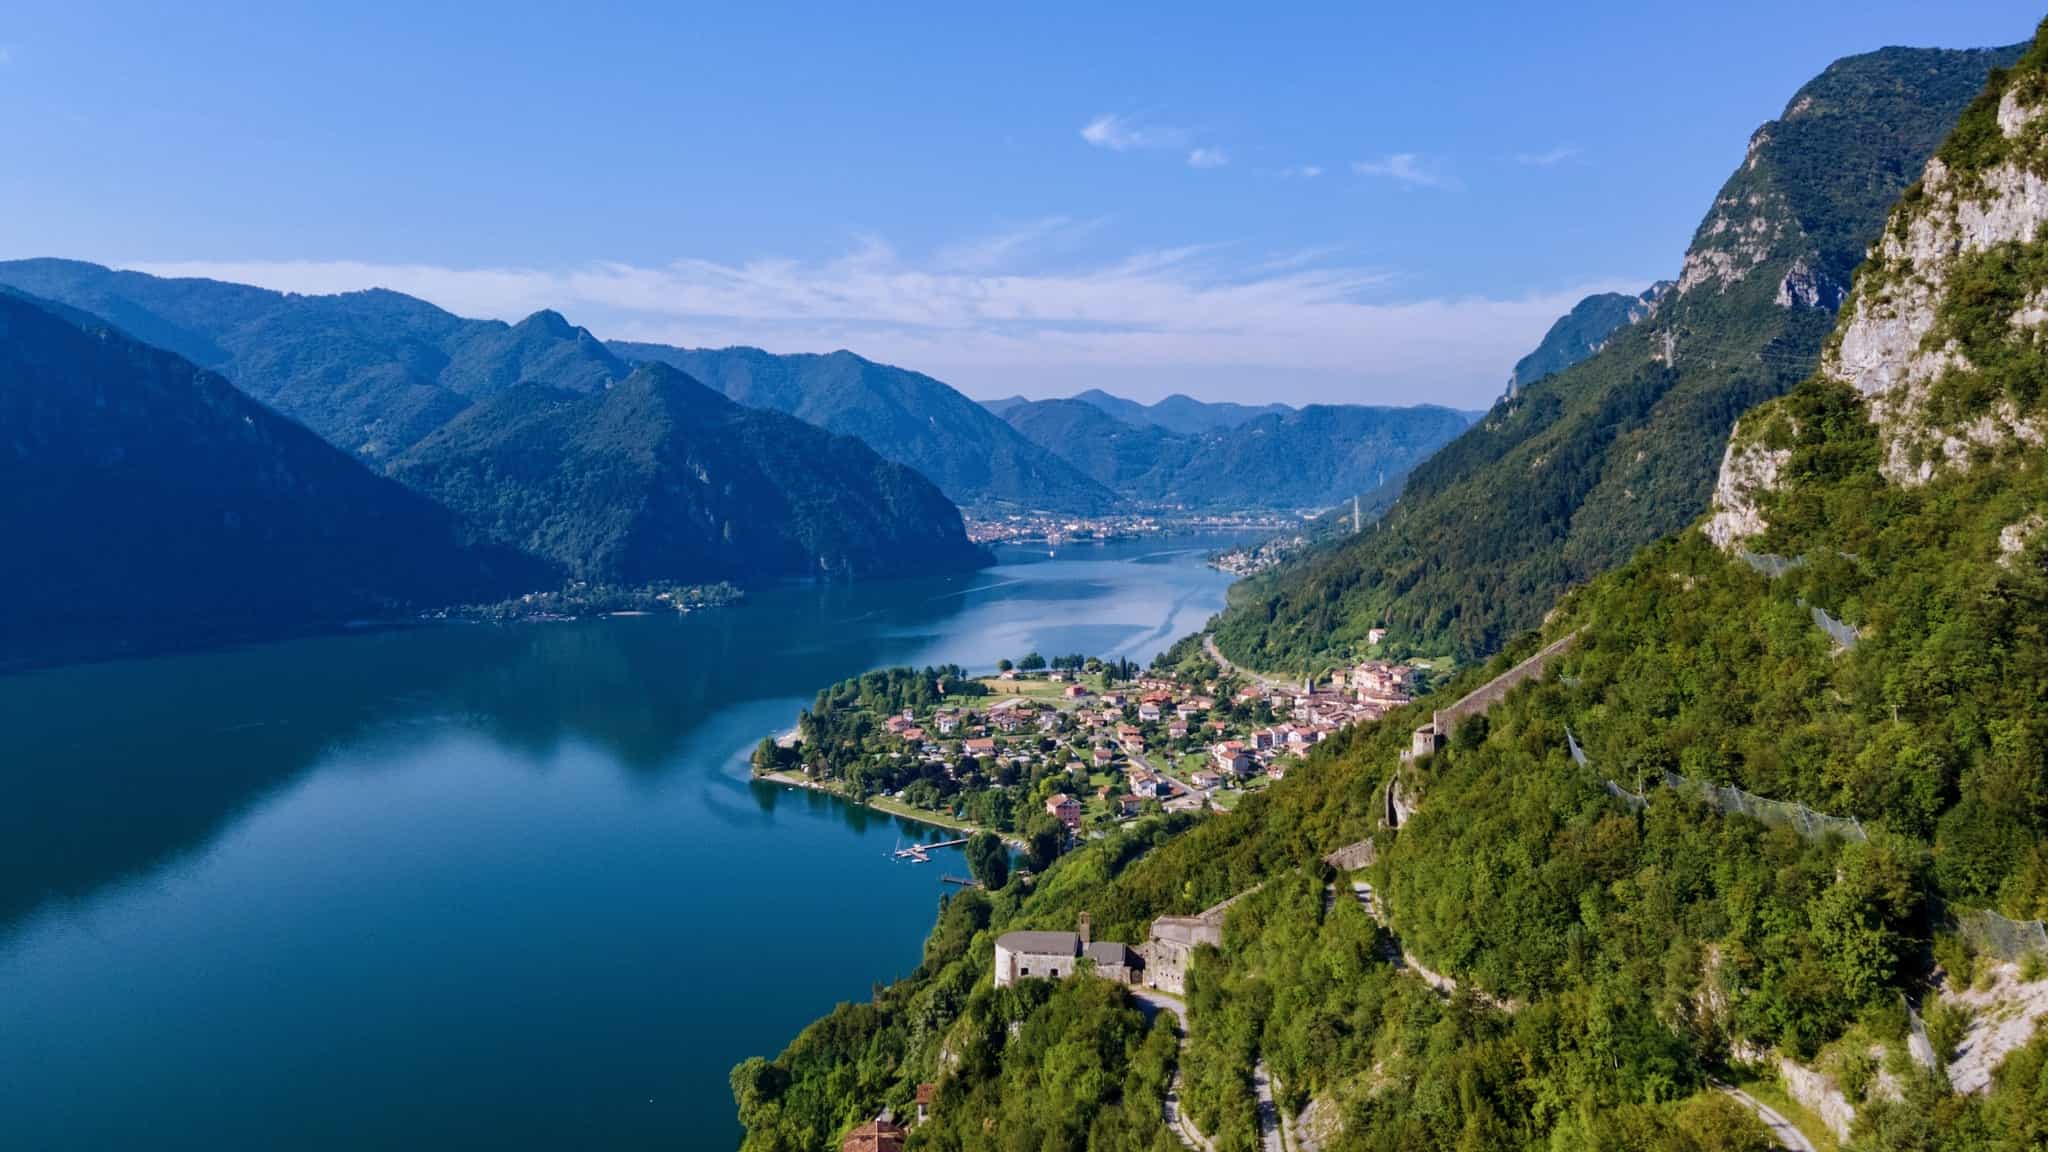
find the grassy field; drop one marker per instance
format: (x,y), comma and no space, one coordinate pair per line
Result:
(1040,689)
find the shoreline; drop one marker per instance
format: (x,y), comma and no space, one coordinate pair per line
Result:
(887,808)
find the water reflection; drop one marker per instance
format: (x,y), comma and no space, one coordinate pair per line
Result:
(382,884)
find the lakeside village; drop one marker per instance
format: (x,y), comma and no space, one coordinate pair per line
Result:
(1055,530)
(1044,753)
(580,599)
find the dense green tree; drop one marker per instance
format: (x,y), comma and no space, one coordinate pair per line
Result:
(1044,837)
(988,860)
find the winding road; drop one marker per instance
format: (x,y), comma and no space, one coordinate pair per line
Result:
(1782,1130)
(1223,662)
(1180,1122)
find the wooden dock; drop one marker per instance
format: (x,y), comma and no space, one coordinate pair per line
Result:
(917,852)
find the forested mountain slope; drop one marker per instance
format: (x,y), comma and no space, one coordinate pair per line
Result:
(1309,457)
(148,504)
(1583,331)
(1570,475)
(660,478)
(1860,625)
(906,416)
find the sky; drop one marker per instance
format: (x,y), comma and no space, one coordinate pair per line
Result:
(1367,202)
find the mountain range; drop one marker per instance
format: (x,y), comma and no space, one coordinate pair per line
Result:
(376,372)
(1574,471)
(659,478)
(1175,413)
(907,416)
(523,455)
(149,504)
(1280,457)
(372,372)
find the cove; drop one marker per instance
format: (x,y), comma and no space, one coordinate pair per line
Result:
(476,886)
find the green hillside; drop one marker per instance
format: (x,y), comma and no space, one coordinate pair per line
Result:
(660,478)
(1582,332)
(1859,626)
(148,504)
(1570,475)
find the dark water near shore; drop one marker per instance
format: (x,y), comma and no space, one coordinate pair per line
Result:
(469,886)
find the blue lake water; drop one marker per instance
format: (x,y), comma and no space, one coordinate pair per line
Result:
(472,886)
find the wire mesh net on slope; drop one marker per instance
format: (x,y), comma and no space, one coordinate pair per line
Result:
(2009,940)
(1842,634)
(1730,799)
(1770,565)
(1774,813)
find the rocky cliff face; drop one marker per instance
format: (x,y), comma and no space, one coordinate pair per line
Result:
(1749,224)
(1945,339)
(1911,342)
(1749,469)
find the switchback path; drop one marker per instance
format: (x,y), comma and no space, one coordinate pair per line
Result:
(1400,957)
(1786,1133)
(1180,1122)
(1269,1112)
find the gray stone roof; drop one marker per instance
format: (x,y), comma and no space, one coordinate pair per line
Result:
(1041,943)
(1111,952)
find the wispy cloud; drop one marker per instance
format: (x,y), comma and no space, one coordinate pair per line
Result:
(1406,167)
(1209,319)
(1301,172)
(1125,134)
(1119,133)
(6,55)
(1557,155)
(1014,244)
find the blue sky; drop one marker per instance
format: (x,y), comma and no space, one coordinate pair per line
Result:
(1363,202)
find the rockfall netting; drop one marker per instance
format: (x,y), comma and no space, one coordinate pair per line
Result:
(1730,799)
(1994,935)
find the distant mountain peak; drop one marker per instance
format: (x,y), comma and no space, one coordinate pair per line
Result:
(906,416)
(1583,331)
(550,322)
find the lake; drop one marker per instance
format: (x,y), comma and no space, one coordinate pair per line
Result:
(478,886)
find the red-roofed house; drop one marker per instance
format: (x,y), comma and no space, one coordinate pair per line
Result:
(1065,808)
